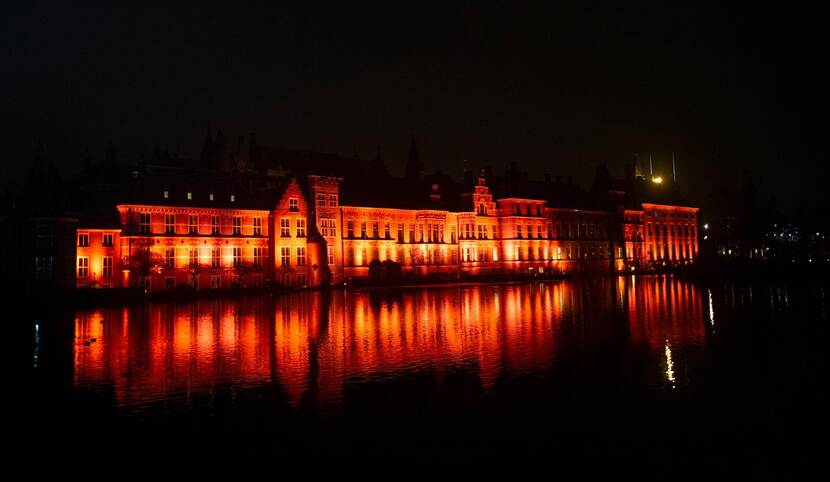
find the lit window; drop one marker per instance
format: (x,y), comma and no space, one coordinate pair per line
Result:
(257,256)
(257,226)
(170,258)
(285,256)
(300,228)
(189,195)
(169,223)
(166,194)
(83,240)
(332,200)
(144,223)
(293,204)
(300,256)
(233,198)
(83,267)
(193,224)
(285,227)
(211,196)
(237,257)
(331,256)
(237,225)
(214,224)
(214,257)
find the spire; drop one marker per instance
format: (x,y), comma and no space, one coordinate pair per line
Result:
(673,169)
(378,166)
(650,166)
(638,170)
(219,150)
(207,149)
(414,167)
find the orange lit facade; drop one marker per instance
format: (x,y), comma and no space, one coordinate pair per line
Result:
(309,236)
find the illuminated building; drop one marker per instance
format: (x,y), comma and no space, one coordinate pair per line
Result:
(264,217)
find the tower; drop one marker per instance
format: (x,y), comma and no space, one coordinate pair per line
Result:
(414,167)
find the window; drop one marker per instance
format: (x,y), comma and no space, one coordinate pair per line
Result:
(350,229)
(328,227)
(375,229)
(107,242)
(214,257)
(211,196)
(301,256)
(189,195)
(331,256)
(411,233)
(170,258)
(285,256)
(539,231)
(321,199)
(519,231)
(237,257)
(83,267)
(193,224)
(400,233)
(237,225)
(285,228)
(215,281)
(386,230)
(83,240)
(233,198)
(363,229)
(257,226)
(293,204)
(144,223)
(332,200)
(214,225)
(169,223)
(452,234)
(193,257)
(166,194)
(257,256)
(300,227)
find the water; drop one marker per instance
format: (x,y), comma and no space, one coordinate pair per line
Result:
(646,370)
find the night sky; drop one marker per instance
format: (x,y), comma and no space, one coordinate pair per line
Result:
(555,89)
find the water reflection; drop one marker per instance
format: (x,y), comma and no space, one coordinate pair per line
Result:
(312,347)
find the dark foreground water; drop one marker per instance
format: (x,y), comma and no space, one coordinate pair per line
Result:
(653,373)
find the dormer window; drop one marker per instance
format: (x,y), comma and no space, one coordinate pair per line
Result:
(189,195)
(166,194)
(233,198)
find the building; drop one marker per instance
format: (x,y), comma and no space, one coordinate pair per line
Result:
(274,217)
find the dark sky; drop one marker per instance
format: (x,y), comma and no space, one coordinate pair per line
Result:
(556,89)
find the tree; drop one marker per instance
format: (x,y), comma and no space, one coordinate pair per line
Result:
(141,264)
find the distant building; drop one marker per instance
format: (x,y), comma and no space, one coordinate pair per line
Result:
(267,216)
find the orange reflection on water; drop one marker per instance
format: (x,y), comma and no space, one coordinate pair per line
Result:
(311,345)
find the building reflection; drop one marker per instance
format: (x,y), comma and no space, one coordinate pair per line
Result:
(312,345)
